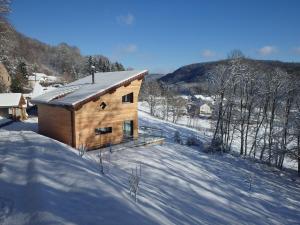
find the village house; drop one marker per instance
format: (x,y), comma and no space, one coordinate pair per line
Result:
(94,111)
(205,109)
(13,105)
(5,78)
(41,78)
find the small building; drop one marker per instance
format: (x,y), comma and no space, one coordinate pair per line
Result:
(37,90)
(13,105)
(94,111)
(5,78)
(41,78)
(205,109)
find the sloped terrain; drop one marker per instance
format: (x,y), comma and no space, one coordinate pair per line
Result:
(45,182)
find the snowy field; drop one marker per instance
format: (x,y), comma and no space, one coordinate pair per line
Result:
(201,125)
(4,120)
(43,181)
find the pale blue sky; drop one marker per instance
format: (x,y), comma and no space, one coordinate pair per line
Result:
(164,35)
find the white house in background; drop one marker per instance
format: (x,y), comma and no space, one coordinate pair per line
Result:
(41,78)
(13,105)
(205,109)
(37,90)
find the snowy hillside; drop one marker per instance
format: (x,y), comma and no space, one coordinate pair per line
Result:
(45,182)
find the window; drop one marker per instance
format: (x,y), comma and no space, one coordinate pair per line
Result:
(128,128)
(103,105)
(128,98)
(103,130)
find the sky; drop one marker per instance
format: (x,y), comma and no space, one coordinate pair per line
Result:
(162,35)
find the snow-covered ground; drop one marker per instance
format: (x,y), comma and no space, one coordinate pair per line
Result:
(4,120)
(45,182)
(201,125)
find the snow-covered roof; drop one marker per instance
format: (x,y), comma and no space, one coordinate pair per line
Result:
(10,99)
(204,98)
(41,77)
(82,89)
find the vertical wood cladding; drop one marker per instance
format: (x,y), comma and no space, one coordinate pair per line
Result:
(55,122)
(78,127)
(92,115)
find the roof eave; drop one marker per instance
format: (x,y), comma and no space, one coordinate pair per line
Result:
(111,89)
(97,95)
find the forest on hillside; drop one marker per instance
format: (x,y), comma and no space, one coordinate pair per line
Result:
(256,109)
(61,60)
(194,78)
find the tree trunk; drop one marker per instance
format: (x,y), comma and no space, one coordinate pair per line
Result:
(298,153)
(271,124)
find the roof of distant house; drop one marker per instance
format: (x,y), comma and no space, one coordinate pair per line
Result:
(41,77)
(82,89)
(204,98)
(10,99)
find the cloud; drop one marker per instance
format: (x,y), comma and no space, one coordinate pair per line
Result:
(128,49)
(121,51)
(127,19)
(208,53)
(267,50)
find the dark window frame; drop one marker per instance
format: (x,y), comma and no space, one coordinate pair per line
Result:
(127,98)
(103,130)
(129,123)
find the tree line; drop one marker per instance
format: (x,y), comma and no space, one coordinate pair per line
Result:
(163,102)
(257,106)
(61,60)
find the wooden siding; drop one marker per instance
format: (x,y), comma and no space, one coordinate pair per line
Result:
(90,116)
(55,122)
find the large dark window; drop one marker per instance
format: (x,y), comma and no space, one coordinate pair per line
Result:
(127,98)
(128,128)
(103,130)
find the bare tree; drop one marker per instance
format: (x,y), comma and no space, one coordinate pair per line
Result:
(151,92)
(222,81)
(178,106)
(257,104)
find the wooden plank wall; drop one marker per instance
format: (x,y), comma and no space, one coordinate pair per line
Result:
(55,122)
(90,116)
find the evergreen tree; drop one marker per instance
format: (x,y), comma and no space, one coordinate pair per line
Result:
(118,66)
(20,80)
(90,63)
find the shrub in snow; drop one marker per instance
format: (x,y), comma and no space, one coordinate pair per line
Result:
(82,150)
(134,181)
(191,140)
(177,137)
(216,145)
(101,167)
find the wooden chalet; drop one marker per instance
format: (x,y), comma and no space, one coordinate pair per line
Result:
(13,105)
(94,111)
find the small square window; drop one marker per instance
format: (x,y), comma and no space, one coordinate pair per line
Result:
(128,98)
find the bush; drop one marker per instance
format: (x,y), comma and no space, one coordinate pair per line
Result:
(216,145)
(192,140)
(177,137)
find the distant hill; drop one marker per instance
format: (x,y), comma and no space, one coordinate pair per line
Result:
(154,76)
(62,59)
(193,78)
